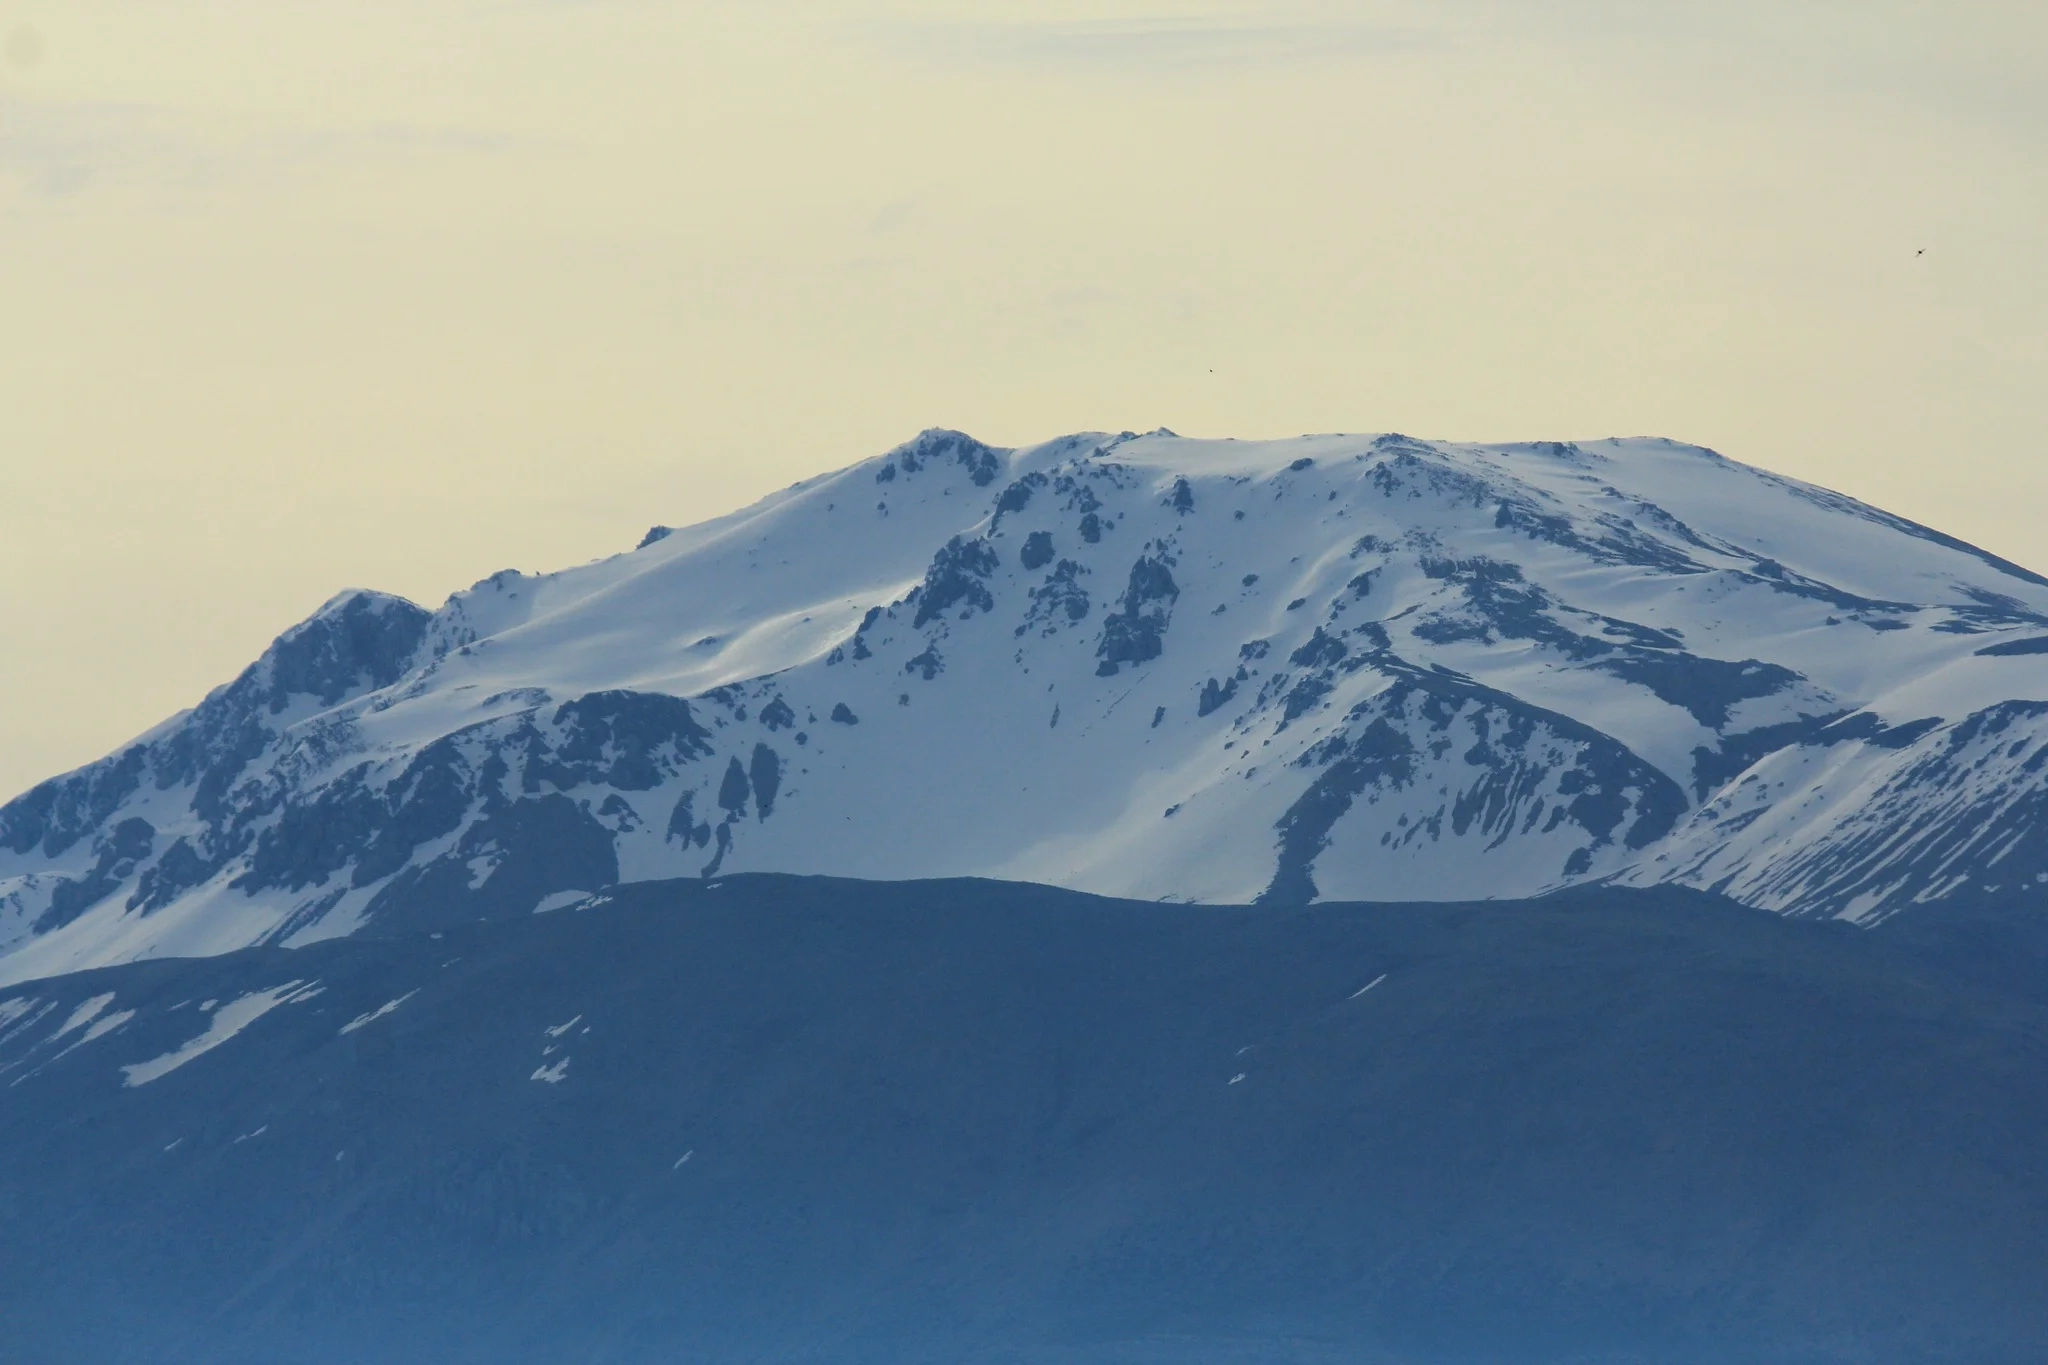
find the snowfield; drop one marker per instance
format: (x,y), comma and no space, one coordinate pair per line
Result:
(1340,667)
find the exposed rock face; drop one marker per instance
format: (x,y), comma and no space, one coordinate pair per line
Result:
(1347,666)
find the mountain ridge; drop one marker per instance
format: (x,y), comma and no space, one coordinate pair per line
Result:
(1331,666)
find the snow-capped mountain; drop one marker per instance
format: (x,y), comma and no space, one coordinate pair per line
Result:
(1357,667)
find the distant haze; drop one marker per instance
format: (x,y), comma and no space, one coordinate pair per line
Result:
(299,297)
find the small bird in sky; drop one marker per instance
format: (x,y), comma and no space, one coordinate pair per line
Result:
(1921,252)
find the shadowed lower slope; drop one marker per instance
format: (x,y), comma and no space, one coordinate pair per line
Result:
(780,1119)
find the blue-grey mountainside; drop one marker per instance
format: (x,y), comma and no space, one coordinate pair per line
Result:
(766,1120)
(1335,667)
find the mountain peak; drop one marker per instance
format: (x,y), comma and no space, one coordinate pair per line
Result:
(942,446)
(358,640)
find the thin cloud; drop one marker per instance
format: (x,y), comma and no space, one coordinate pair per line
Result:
(62,148)
(1159,44)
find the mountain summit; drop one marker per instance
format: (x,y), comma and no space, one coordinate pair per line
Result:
(1336,667)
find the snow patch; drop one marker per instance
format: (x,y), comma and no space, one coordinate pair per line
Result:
(1367,986)
(223,1024)
(378,1013)
(86,1012)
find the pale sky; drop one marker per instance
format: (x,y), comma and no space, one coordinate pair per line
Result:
(298,295)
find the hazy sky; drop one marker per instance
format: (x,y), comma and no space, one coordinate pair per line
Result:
(301,294)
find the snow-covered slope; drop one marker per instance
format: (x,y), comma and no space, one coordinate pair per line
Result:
(1361,667)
